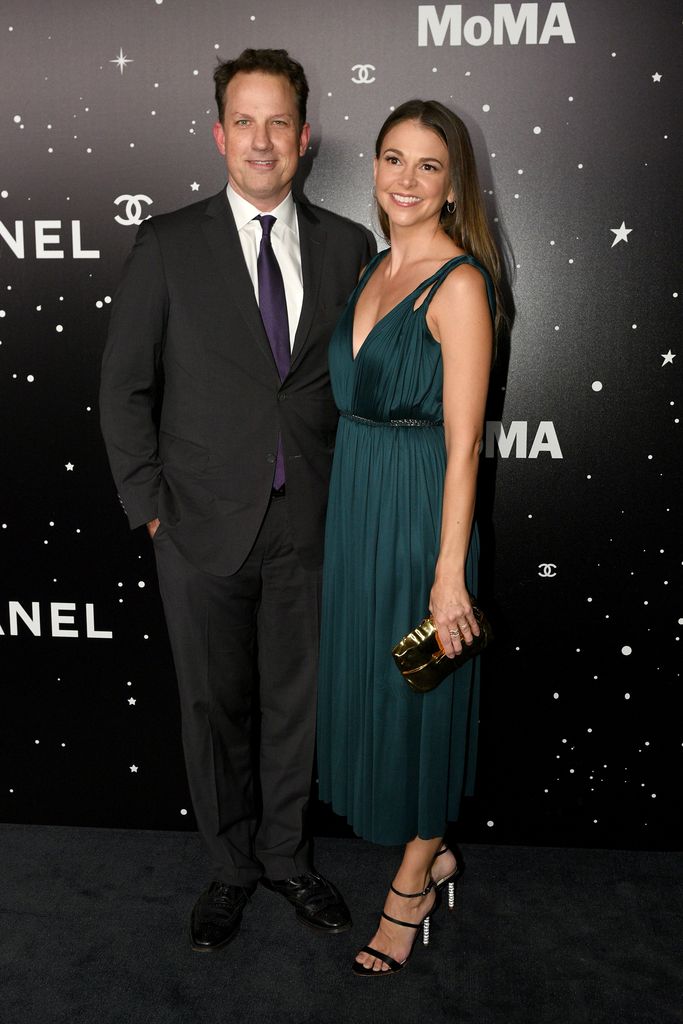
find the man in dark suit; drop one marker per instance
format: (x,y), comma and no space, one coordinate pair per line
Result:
(219,423)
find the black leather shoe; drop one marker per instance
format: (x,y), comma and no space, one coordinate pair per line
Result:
(316,901)
(216,916)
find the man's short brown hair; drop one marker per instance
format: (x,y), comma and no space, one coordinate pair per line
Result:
(269,62)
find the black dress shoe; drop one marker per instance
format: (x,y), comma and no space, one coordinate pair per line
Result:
(216,916)
(316,901)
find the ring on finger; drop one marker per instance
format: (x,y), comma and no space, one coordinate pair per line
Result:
(456,634)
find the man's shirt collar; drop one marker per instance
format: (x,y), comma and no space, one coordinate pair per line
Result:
(243,211)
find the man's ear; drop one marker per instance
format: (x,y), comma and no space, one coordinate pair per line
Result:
(304,139)
(219,137)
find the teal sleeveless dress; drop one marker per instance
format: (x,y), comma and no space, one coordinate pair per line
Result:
(395,763)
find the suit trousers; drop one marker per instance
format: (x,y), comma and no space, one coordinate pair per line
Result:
(245,649)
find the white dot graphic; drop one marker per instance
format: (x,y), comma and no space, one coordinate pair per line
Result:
(597,385)
(537,130)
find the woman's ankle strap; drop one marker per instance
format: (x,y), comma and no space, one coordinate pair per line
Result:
(412,895)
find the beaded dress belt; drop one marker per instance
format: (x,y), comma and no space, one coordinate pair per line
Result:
(391,423)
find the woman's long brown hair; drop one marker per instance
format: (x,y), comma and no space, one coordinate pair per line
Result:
(468,224)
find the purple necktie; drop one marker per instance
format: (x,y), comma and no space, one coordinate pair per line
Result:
(273,305)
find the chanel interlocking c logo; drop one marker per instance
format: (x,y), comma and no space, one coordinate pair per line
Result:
(547,569)
(363,77)
(133,209)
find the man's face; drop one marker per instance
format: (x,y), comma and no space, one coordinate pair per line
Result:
(260,137)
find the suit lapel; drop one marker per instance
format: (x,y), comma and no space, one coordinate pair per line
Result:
(223,240)
(312,240)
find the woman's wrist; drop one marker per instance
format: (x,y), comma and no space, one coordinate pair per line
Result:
(449,572)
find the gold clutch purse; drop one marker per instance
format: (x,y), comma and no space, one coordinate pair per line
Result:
(421,659)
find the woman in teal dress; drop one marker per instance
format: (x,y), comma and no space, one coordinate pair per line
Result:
(410,362)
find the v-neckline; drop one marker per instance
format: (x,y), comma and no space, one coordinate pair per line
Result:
(364,281)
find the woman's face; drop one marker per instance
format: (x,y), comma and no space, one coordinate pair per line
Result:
(412,179)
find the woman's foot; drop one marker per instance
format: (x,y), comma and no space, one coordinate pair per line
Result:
(445,865)
(395,940)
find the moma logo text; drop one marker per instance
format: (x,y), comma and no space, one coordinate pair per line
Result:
(516,438)
(507,24)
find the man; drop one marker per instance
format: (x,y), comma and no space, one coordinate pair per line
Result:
(219,423)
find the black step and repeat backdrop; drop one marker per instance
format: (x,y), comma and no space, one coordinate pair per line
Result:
(106,115)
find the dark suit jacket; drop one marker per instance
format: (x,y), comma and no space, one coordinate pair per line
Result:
(191,403)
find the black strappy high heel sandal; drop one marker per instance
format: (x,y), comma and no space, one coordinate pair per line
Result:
(451,879)
(394,965)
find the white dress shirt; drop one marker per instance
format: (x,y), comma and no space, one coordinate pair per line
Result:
(285,241)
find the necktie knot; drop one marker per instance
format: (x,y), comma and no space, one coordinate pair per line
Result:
(266,220)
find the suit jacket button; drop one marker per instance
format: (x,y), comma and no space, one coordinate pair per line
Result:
(281,397)
(270,457)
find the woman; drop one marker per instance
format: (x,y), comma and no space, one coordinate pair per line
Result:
(410,362)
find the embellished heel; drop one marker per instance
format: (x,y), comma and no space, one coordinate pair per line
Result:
(451,879)
(361,971)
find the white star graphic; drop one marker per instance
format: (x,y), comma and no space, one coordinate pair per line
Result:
(133,767)
(121,60)
(621,234)
(195,186)
(69,466)
(668,357)
(131,701)
(656,77)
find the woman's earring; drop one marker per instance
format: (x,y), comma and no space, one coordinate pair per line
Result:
(450,208)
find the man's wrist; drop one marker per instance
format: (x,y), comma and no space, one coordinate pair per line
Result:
(152,526)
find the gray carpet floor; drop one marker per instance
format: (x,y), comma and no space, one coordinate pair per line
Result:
(94,931)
